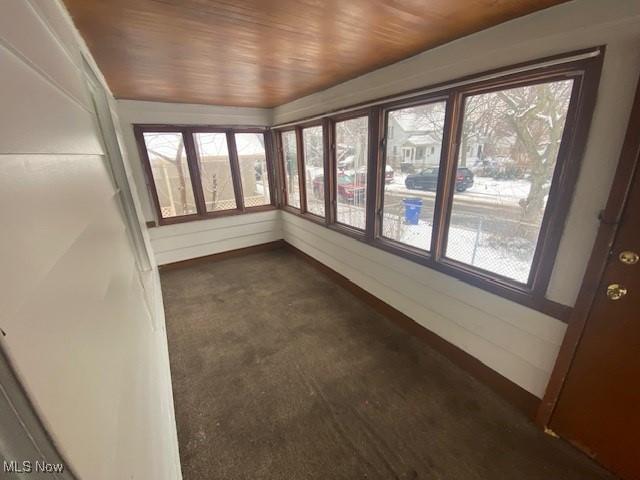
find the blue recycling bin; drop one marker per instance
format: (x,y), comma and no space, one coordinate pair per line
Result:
(412,208)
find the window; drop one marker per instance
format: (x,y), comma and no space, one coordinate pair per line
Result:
(409,198)
(501,194)
(473,179)
(215,171)
(313,151)
(290,155)
(352,152)
(252,160)
(201,172)
(170,171)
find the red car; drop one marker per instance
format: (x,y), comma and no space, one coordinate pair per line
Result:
(350,190)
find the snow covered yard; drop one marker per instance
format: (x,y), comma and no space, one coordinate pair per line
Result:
(484,190)
(466,245)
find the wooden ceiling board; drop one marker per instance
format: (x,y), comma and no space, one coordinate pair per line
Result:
(266,53)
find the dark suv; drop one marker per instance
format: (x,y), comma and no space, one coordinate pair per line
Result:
(427,179)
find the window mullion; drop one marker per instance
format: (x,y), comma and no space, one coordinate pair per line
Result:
(331,189)
(194,170)
(327,152)
(446,176)
(272,171)
(373,174)
(235,170)
(301,170)
(280,170)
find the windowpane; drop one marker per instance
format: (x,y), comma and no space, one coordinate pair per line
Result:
(314,169)
(508,151)
(351,164)
(414,142)
(290,150)
(253,169)
(170,173)
(215,171)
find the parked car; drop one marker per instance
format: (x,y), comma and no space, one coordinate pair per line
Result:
(388,174)
(349,190)
(362,174)
(427,179)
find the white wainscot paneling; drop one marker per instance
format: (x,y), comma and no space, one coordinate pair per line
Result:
(173,243)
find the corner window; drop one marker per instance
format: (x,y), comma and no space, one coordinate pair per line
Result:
(170,171)
(202,172)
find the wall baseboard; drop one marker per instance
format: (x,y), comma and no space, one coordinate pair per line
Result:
(263,247)
(524,401)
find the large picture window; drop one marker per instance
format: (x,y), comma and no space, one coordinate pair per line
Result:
(200,172)
(411,172)
(473,179)
(505,164)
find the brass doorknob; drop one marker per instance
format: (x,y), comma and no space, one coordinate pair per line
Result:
(616,291)
(629,257)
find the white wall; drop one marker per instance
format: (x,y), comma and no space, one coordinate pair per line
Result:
(173,243)
(83,328)
(519,343)
(195,239)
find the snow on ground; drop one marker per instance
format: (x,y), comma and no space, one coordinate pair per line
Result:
(468,246)
(507,190)
(484,189)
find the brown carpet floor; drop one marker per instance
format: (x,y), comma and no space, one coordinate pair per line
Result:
(278,373)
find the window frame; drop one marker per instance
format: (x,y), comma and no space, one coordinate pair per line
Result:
(409,251)
(585,73)
(283,176)
(354,232)
(304,209)
(187,132)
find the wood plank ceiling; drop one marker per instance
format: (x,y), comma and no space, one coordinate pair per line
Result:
(265,53)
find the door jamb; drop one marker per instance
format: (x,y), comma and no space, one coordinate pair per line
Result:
(609,223)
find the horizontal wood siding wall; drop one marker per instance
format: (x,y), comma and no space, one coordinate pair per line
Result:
(174,243)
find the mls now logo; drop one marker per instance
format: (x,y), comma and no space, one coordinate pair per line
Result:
(28,466)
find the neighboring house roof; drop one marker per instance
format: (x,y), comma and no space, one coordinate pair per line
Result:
(410,121)
(424,139)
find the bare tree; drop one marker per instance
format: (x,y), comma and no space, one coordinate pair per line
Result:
(164,147)
(536,117)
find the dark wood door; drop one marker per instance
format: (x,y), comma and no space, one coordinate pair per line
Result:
(599,406)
